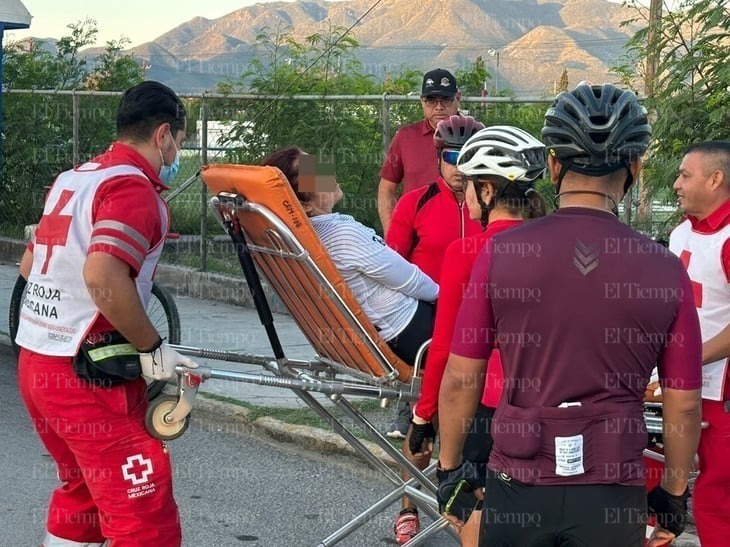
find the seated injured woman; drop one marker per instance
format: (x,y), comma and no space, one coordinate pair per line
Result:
(397,297)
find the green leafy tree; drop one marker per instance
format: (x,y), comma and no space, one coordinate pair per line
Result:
(71,65)
(37,128)
(347,133)
(342,132)
(114,70)
(473,80)
(689,102)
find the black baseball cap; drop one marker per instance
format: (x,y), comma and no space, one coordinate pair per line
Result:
(438,83)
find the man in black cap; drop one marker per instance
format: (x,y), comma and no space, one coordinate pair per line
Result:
(412,157)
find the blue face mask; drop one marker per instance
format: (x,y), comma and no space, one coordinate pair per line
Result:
(169,172)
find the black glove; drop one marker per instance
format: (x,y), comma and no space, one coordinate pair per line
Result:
(670,510)
(419,434)
(449,480)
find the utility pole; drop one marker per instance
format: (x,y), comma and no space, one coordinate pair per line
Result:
(495,53)
(652,56)
(644,212)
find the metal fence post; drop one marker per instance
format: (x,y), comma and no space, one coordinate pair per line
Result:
(385,118)
(627,208)
(203,187)
(75,128)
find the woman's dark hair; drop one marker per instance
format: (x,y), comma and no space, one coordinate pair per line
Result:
(517,197)
(287,161)
(146,106)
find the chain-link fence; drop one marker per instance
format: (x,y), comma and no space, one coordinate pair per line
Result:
(47,132)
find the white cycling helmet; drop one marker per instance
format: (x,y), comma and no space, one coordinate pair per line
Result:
(503,151)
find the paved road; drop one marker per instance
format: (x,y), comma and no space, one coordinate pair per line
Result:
(234,488)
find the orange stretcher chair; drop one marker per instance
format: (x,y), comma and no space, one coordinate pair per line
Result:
(274,238)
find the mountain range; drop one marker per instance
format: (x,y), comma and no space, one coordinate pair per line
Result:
(526,44)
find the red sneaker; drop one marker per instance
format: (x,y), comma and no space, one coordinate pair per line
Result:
(406,526)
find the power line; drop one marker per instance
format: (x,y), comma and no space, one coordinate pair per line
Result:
(325,52)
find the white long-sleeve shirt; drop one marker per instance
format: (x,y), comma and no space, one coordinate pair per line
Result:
(387,286)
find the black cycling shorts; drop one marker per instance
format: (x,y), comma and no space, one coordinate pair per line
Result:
(594,515)
(416,332)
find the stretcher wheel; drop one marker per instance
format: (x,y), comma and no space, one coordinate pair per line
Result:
(155,422)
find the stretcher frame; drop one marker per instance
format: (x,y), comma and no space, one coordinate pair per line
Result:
(362,366)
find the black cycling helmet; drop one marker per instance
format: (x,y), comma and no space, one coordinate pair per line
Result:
(596,129)
(454,131)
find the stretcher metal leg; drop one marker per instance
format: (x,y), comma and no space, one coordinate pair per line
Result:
(430,531)
(389,449)
(408,488)
(363,517)
(423,501)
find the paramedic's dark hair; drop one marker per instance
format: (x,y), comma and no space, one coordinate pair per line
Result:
(145,107)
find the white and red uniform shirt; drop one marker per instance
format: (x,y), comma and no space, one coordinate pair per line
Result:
(704,248)
(111,205)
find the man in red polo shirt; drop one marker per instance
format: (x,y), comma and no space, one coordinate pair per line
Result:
(412,158)
(89,272)
(702,242)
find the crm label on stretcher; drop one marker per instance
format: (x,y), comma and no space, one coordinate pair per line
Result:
(569,456)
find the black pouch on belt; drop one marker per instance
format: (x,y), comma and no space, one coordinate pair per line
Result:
(108,360)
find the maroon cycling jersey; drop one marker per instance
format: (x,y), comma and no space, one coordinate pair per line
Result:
(582,308)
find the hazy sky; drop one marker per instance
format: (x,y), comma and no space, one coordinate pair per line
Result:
(138,20)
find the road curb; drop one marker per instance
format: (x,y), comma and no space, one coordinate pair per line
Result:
(306,437)
(11,249)
(183,281)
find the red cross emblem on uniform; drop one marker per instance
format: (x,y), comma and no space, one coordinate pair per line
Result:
(53,229)
(137,469)
(684,257)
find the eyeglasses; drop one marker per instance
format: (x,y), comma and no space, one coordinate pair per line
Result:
(450,156)
(445,101)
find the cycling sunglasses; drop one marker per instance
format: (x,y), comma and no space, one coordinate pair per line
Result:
(450,156)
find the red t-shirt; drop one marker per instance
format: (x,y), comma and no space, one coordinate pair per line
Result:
(412,157)
(424,223)
(455,274)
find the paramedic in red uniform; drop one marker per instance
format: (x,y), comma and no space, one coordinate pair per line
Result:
(502,164)
(412,160)
(426,220)
(89,273)
(702,243)
(582,308)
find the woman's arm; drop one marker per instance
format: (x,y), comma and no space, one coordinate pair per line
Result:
(455,274)
(390,269)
